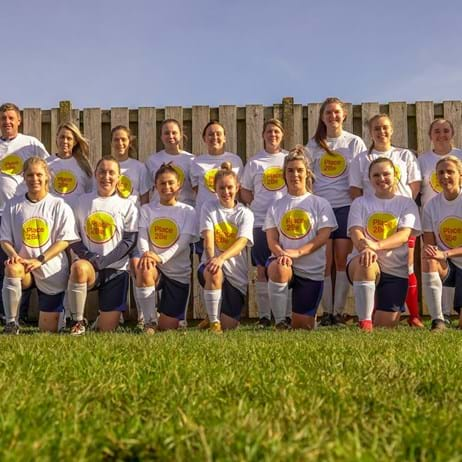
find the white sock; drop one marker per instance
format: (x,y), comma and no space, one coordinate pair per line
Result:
(342,286)
(11,295)
(263,303)
(77,296)
(146,301)
(364,299)
(139,310)
(212,299)
(433,289)
(289,304)
(278,293)
(327,302)
(448,300)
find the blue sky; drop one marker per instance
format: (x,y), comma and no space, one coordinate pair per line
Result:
(104,53)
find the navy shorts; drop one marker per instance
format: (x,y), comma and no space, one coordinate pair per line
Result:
(232,299)
(341,215)
(199,247)
(46,302)
(174,298)
(112,286)
(260,251)
(454,279)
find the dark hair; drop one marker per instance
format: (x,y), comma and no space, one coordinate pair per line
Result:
(212,122)
(438,121)
(276,122)
(299,153)
(380,160)
(226,169)
(131,138)
(170,121)
(166,168)
(108,157)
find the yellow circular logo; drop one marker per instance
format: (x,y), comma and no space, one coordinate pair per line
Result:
(124,186)
(163,232)
(11,165)
(35,232)
(381,225)
(273,179)
(397,172)
(225,235)
(450,232)
(64,182)
(180,174)
(209,179)
(332,165)
(100,227)
(434,183)
(295,224)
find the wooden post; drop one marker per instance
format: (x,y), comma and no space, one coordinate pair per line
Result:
(288,120)
(398,116)
(227,116)
(368,110)
(32,122)
(147,135)
(313,116)
(425,113)
(92,131)
(65,111)
(452,111)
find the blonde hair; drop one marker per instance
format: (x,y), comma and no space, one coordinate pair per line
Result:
(37,160)
(299,153)
(455,160)
(277,123)
(384,160)
(10,107)
(371,122)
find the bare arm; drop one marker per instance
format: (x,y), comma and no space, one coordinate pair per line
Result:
(246,196)
(415,188)
(355,192)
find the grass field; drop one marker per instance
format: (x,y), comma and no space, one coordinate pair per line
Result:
(247,395)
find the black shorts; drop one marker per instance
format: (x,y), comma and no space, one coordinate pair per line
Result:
(454,279)
(112,286)
(174,298)
(260,251)
(341,215)
(48,303)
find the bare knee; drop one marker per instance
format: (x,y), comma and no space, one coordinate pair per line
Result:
(279,273)
(14,270)
(81,271)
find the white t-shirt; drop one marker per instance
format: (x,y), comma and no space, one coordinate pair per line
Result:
(228,225)
(264,177)
(134,180)
(443,218)
(298,220)
(380,219)
(406,168)
(427,163)
(101,222)
(168,231)
(182,164)
(68,180)
(32,228)
(203,171)
(331,170)
(13,154)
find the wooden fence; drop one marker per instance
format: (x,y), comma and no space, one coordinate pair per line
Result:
(243,126)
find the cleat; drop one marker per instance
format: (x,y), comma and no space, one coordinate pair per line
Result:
(447,320)
(149,328)
(338,320)
(282,325)
(438,325)
(204,324)
(215,327)
(78,328)
(326,320)
(366,326)
(415,322)
(11,328)
(263,323)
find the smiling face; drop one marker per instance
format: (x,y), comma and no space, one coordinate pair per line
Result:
(170,135)
(226,189)
(441,134)
(167,185)
(272,136)
(382,178)
(65,142)
(449,176)
(120,143)
(381,132)
(9,123)
(36,179)
(215,139)
(295,176)
(333,117)
(107,176)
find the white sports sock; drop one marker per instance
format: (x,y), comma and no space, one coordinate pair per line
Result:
(342,286)
(289,304)
(448,300)
(364,299)
(139,310)
(146,302)
(263,303)
(212,299)
(77,296)
(327,301)
(278,293)
(433,289)
(11,295)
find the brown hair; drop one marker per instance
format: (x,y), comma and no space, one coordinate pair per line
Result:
(212,122)
(371,122)
(455,160)
(171,121)
(384,160)
(109,157)
(276,122)
(299,153)
(226,169)
(440,120)
(10,107)
(36,160)
(131,138)
(166,168)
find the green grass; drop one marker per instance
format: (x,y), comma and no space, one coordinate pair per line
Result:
(246,395)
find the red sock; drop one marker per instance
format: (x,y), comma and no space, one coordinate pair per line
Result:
(412,299)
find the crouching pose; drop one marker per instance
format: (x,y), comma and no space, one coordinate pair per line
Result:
(36,229)
(297,227)
(380,226)
(166,230)
(108,226)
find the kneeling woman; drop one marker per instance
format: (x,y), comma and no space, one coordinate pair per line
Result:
(227,229)
(297,227)
(166,230)
(380,226)
(108,226)
(36,229)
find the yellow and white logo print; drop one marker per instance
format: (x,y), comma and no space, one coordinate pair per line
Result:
(11,165)
(435,183)
(163,232)
(100,227)
(180,173)
(381,225)
(64,182)
(209,179)
(332,165)
(295,224)
(273,179)
(450,232)
(225,235)
(124,186)
(35,232)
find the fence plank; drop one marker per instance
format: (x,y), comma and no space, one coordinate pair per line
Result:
(65,111)
(398,116)
(32,122)
(92,131)
(146,132)
(277,112)
(289,123)
(175,112)
(298,124)
(313,115)
(200,118)
(367,111)
(452,111)
(119,116)
(228,118)
(348,122)
(54,129)
(425,114)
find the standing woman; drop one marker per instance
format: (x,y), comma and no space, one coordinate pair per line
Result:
(331,151)
(36,229)
(263,183)
(226,227)
(70,169)
(171,135)
(408,176)
(380,226)
(441,134)
(297,227)
(108,226)
(442,252)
